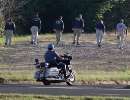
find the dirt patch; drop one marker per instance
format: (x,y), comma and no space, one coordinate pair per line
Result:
(86,56)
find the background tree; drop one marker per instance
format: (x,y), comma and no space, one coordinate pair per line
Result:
(109,10)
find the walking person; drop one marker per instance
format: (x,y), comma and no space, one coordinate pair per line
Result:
(9,31)
(35,29)
(100,30)
(121,32)
(77,27)
(58,28)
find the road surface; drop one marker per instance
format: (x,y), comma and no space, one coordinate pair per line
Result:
(56,90)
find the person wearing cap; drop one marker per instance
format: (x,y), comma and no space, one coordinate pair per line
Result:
(100,30)
(9,31)
(35,29)
(121,32)
(51,56)
(54,59)
(77,27)
(58,28)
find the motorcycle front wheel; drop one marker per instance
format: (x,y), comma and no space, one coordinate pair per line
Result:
(71,79)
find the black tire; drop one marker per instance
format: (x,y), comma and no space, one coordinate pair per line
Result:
(71,79)
(69,83)
(45,82)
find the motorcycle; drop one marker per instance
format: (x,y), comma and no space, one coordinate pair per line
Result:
(48,74)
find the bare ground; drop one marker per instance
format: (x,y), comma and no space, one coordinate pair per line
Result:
(86,56)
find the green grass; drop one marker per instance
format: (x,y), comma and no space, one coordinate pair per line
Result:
(39,97)
(15,39)
(51,37)
(91,76)
(1,40)
(3,65)
(21,38)
(18,76)
(103,76)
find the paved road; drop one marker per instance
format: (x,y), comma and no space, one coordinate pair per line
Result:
(66,90)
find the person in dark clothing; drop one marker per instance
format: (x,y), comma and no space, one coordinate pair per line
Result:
(58,28)
(35,29)
(77,27)
(9,31)
(100,30)
(121,32)
(54,59)
(51,56)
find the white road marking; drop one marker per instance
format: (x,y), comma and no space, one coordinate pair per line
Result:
(83,88)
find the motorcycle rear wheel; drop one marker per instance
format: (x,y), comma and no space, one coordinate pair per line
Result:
(45,82)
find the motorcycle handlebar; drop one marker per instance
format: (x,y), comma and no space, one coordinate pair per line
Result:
(67,57)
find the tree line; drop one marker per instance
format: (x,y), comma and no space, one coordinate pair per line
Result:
(111,11)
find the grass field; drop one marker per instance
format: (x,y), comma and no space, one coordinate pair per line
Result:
(84,77)
(92,64)
(36,97)
(1,40)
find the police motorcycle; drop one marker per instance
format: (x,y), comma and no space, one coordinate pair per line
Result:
(48,74)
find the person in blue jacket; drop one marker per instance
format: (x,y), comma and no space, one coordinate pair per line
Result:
(58,28)
(35,28)
(100,30)
(77,27)
(9,31)
(54,59)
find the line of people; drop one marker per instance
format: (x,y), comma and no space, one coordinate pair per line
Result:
(120,31)
(58,28)
(77,27)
